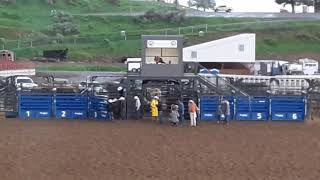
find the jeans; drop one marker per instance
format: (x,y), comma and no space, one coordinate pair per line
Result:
(181,117)
(160,117)
(111,117)
(225,118)
(137,114)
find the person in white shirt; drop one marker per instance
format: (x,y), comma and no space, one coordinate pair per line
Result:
(137,107)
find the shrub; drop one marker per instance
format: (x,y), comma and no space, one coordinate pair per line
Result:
(305,37)
(63,24)
(270,41)
(59,37)
(10,15)
(90,26)
(61,17)
(177,17)
(114,2)
(42,38)
(66,28)
(8,1)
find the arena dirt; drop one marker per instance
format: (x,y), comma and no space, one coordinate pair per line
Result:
(75,150)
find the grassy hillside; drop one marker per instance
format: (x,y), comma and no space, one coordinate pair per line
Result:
(33,16)
(99,36)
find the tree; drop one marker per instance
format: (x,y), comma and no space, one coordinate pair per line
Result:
(176,2)
(315,3)
(8,1)
(317,6)
(205,4)
(293,3)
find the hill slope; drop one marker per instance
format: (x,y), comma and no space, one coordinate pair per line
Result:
(27,29)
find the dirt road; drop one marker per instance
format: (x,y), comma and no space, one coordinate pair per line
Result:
(75,150)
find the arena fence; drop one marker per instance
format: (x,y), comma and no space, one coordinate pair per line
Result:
(84,106)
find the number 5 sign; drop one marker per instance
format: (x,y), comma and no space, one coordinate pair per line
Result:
(259,116)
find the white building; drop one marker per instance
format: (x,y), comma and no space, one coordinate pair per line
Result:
(235,49)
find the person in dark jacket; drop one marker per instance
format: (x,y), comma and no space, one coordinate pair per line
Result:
(112,108)
(181,111)
(160,109)
(117,109)
(121,92)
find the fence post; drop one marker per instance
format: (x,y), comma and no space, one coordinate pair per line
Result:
(179,30)
(18,44)
(192,29)
(166,32)
(206,28)
(31,44)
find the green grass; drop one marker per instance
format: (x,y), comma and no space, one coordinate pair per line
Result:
(282,43)
(31,18)
(73,67)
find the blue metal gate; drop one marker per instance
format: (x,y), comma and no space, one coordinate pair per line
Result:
(98,108)
(252,108)
(209,107)
(71,106)
(288,108)
(35,106)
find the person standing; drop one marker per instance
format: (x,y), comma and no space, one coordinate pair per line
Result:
(161,108)
(181,111)
(137,107)
(193,108)
(223,111)
(120,91)
(116,109)
(122,108)
(174,115)
(154,108)
(111,104)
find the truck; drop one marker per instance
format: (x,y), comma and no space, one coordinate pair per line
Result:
(309,66)
(292,69)
(24,82)
(302,67)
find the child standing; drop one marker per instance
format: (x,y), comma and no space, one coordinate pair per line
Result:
(174,115)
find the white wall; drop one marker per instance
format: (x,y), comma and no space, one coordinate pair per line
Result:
(224,50)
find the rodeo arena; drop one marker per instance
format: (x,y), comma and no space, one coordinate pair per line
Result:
(217,87)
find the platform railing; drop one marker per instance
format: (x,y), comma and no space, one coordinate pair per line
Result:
(222,85)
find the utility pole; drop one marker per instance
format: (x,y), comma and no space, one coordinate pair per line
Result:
(130,4)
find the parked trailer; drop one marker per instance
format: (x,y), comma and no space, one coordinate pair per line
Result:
(280,83)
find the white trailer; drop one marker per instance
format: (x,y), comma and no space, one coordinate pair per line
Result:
(309,66)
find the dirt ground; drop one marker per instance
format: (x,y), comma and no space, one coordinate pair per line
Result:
(91,150)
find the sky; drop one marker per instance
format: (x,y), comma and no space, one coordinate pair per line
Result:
(252,5)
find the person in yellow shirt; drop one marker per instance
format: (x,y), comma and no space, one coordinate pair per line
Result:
(154,108)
